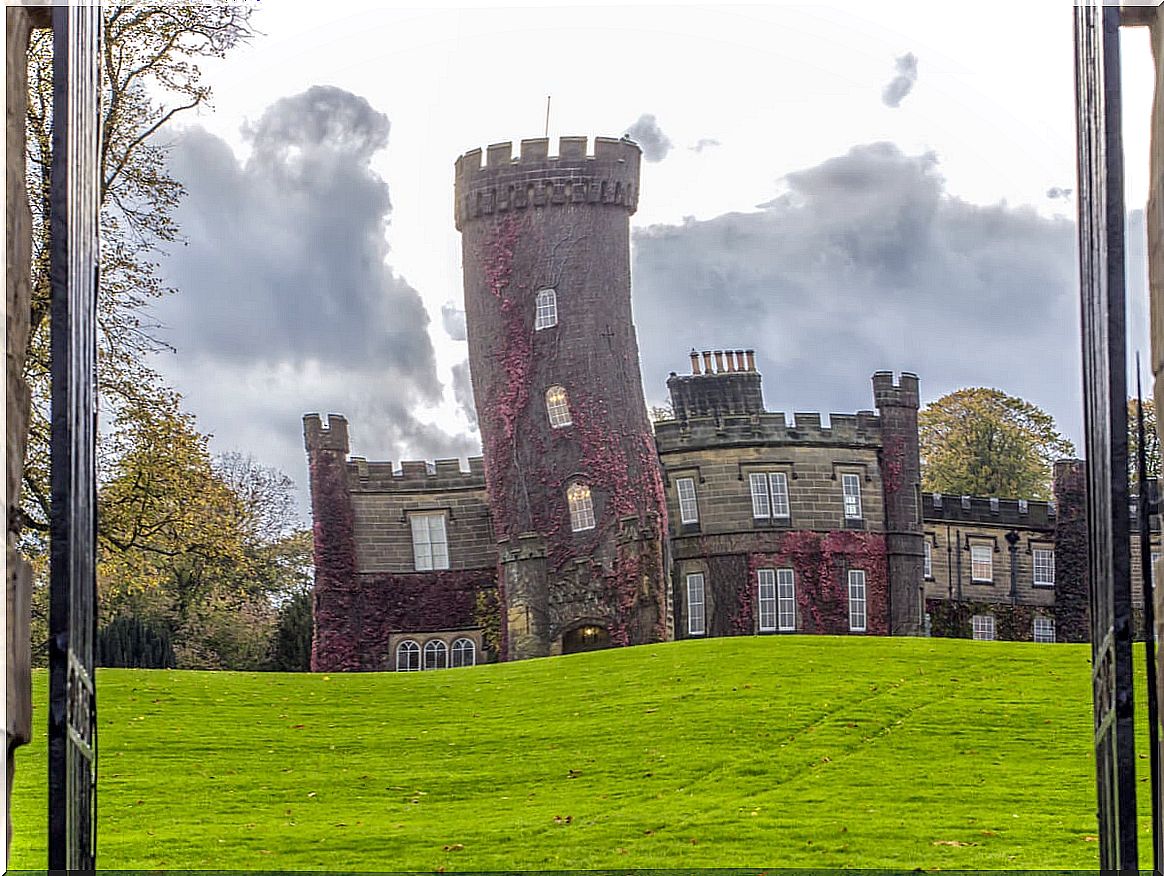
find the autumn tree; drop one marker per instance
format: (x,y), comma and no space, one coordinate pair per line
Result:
(149,76)
(983,442)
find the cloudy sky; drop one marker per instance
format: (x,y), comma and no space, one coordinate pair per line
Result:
(843,189)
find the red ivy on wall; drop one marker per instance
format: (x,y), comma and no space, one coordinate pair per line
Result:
(820,563)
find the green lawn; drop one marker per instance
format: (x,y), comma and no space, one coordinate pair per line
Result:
(744,752)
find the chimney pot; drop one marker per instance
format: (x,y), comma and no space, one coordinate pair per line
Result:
(694,362)
(731,361)
(719,369)
(707,362)
(751,354)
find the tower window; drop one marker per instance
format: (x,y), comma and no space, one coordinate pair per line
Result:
(547,310)
(430,544)
(769,495)
(1044,563)
(696,618)
(928,561)
(856,601)
(581,507)
(766,580)
(851,490)
(688,508)
(558,407)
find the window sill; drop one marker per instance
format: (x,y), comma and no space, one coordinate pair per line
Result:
(1040,586)
(689,528)
(771,522)
(987,581)
(855,523)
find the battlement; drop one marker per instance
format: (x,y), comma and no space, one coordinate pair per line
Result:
(333,436)
(987,510)
(862,429)
(609,175)
(415,475)
(890,393)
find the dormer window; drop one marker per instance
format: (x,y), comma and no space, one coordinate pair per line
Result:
(558,407)
(547,310)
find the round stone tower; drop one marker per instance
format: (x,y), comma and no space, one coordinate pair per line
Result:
(573,477)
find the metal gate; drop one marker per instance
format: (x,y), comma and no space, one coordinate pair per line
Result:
(76,178)
(1101,265)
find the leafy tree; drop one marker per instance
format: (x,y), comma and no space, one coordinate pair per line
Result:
(291,649)
(1151,443)
(150,75)
(983,442)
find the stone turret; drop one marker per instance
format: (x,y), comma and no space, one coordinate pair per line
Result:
(555,367)
(897,403)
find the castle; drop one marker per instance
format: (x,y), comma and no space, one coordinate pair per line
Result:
(582,527)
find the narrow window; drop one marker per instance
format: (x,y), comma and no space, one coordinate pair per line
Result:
(1044,629)
(464,653)
(407,656)
(786,599)
(581,507)
(688,508)
(547,310)
(982,626)
(928,562)
(430,545)
(778,482)
(767,587)
(851,488)
(436,654)
(759,483)
(558,407)
(856,601)
(696,622)
(981,563)
(1044,563)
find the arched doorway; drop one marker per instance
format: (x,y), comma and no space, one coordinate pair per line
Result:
(588,637)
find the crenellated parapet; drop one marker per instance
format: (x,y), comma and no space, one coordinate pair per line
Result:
(415,476)
(609,175)
(333,436)
(862,429)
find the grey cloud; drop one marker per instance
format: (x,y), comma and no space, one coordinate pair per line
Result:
(646,132)
(453,320)
(704,143)
(285,277)
(463,392)
(1056,193)
(902,83)
(866,262)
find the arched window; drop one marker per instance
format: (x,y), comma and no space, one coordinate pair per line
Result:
(408,656)
(464,653)
(436,654)
(547,310)
(558,407)
(581,508)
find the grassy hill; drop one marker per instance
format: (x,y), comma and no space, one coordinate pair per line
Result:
(746,752)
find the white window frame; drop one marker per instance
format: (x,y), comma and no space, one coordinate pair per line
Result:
(1043,564)
(558,407)
(785,600)
(581,507)
(758,483)
(430,541)
(1047,633)
(851,495)
(778,485)
(461,647)
(766,599)
(413,650)
(696,605)
(545,309)
(928,561)
(435,646)
(688,504)
(858,601)
(982,627)
(985,557)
